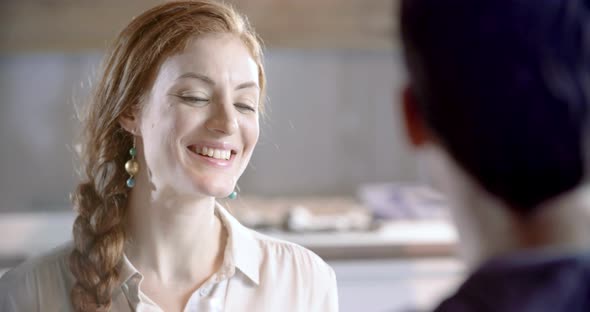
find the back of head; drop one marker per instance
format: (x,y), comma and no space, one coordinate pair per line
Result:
(505,86)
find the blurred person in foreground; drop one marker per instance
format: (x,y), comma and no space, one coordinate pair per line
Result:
(498,102)
(171,127)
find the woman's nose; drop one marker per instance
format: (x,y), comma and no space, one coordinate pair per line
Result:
(222,120)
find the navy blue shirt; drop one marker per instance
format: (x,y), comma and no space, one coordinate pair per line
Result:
(526,283)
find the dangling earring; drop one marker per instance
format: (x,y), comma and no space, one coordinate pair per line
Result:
(132,166)
(234,194)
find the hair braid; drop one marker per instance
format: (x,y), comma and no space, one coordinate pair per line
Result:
(99,238)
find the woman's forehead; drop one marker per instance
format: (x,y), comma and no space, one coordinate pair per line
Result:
(217,56)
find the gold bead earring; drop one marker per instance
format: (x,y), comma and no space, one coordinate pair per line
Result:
(132,166)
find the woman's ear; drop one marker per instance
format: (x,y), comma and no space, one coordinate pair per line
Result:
(416,130)
(130,121)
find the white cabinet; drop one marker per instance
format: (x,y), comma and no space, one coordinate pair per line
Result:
(395,285)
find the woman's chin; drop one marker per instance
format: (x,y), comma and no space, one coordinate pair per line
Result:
(215,185)
(220,190)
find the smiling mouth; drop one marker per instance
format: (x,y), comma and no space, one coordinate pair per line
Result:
(213,152)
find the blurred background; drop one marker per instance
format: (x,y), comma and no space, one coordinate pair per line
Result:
(331,148)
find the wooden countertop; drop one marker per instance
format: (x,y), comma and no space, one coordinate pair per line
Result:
(25,234)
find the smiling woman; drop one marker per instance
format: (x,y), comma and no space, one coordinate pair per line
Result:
(199,124)
(171,127)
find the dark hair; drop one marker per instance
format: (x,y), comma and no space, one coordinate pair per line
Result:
(505,86)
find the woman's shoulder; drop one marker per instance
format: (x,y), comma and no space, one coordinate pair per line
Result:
(46,273)
(304,275)
(50,262)
(270,251)
(290,254)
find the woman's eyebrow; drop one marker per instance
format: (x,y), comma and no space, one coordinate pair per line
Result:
(249,84)
(206,79)
(197,76)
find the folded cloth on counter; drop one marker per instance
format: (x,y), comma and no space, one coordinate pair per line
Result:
(300,214)
(400,201)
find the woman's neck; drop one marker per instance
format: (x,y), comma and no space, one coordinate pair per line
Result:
(174,239)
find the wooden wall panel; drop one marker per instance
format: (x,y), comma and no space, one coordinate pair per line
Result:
(70,25)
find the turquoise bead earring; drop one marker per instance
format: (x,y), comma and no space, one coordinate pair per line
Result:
(234,194)
(132,166)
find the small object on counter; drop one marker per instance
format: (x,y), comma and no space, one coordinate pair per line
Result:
(273,213)
(301,219)
(255,219)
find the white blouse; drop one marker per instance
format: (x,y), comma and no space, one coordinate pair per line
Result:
(259,274)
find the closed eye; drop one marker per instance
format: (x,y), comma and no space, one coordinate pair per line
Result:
(193,100)
(244,107)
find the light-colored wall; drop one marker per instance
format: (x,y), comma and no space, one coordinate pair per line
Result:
(37,126)
(331,125)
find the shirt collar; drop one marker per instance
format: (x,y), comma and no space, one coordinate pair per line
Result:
(129,280)
(127,271)
(244,250)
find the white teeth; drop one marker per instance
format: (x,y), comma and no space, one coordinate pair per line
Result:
(214,153)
